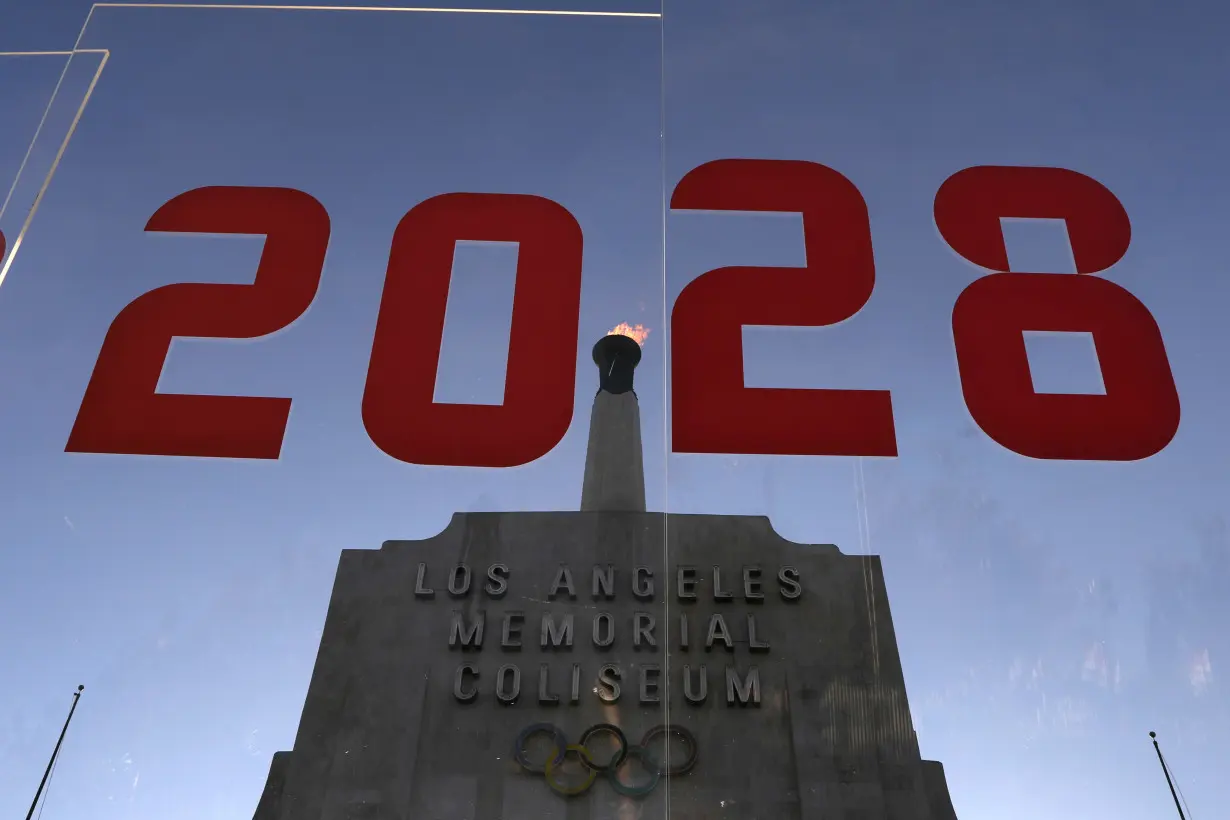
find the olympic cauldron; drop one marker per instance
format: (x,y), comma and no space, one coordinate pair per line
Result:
(606,663)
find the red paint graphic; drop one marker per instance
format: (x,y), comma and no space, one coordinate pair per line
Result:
(122,413)
(3,246)
(398,410)
(1139,413)
(713,411)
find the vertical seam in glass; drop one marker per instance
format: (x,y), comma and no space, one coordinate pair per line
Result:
(666,364)
(4,206)
(7,262)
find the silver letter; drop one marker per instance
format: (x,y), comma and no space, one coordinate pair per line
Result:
(563,580)
(421,590)
(683,631)
(544,683)
(511,638)
(643,624)
(576,682)
(459,580)
(462,635)
(788,578)
(459,678)
(685,583)
(720,594)
(557,637)
(718,632)
(604,582)
(503,691)
(603,622)
(753,641)
(696,697)
(642,582)
(650,681)
(498,583)
(751,584)
(608,681)
(746,689)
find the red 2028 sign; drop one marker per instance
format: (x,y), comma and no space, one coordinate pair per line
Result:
(713,412)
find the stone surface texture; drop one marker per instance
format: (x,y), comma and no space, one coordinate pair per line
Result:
(394,728)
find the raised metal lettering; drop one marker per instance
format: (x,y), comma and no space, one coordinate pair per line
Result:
(603,629)
(696,695)
(754,643)
(608,683)
(545,696)
(421,590)
(563,581)
(497,583)
(746,691)
(651,682)
(685,583)
(642,582)
(556,636)
(466,635)
(751,584)
(718,631)
(508,691)
(510,638)
(604,582)
(788,580)
(459,580)
(462,694)
(643,624)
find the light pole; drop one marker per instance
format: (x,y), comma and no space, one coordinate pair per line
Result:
(1165,771)
(55,752)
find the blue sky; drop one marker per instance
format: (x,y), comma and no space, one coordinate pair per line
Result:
(1049,614)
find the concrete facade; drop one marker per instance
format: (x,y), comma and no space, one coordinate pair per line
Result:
(436,654)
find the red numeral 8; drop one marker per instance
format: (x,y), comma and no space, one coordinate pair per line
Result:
(1139,413)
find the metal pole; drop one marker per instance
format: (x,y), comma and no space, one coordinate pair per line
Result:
(55,753)
(1165,771)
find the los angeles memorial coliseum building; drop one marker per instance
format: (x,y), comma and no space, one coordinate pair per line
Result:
(606,663)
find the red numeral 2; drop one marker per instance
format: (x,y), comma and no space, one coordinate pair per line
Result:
(713,411)
(123,413)
(1139,413)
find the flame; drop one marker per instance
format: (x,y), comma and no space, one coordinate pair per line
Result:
(638,333)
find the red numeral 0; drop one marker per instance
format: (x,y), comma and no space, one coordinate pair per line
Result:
(122,412)
(398,410)
(1139,413)
(713,411)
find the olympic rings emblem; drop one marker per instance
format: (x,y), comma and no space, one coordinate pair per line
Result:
(562,749)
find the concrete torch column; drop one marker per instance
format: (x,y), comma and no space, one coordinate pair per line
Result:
(614,463)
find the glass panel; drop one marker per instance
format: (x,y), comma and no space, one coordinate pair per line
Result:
(181,558)
(913,514)
(40,99)
(1051,549)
